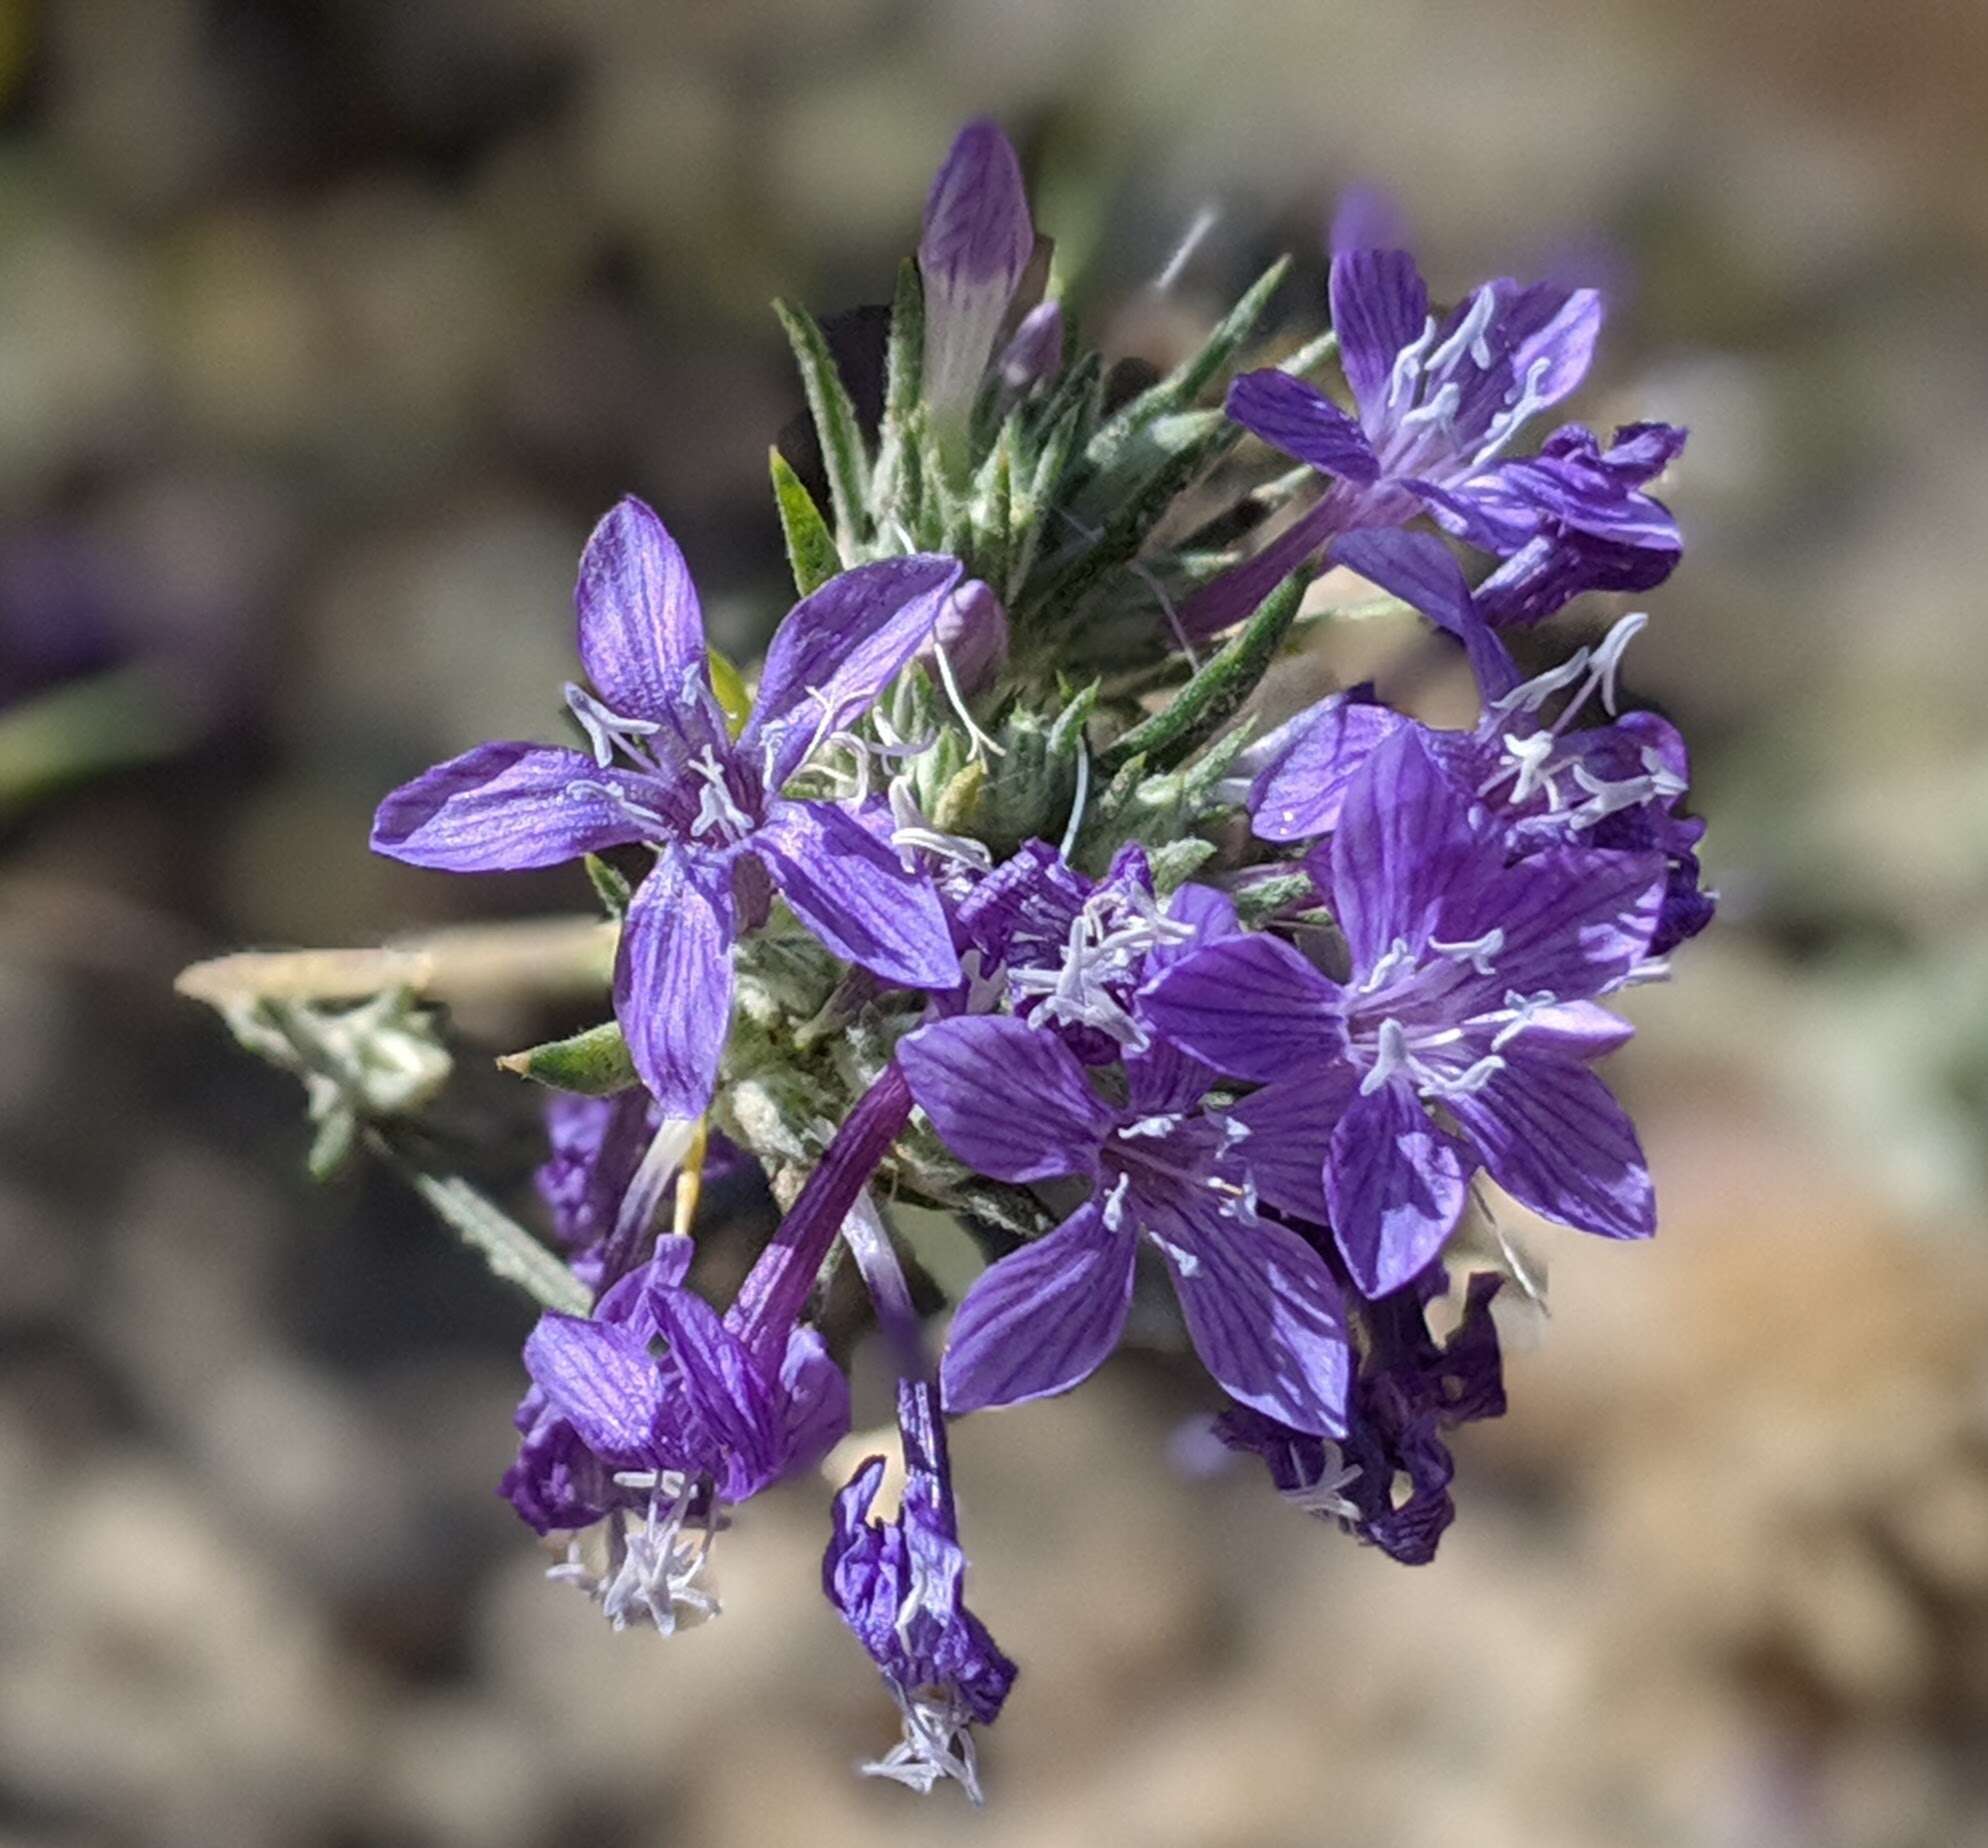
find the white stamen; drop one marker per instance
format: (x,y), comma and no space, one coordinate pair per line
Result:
(1521,402)
(1520,1010)
(1114,1203)
(1469,332)
(644,817)
(975,736)
(608,731)
(1075,824)
(937,1742)
(1203,222)
(1532,694)
(1327,1495)
(1477,952)
(718,811)
(651,1573)
(1161,1125)
(1440,410)
(1608,657)
(912,832)
(1408,363)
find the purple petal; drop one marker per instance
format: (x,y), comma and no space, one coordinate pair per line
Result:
(1251,1006)
(976,244)
(853,893)
(1304,423)
(1367,218)
(641,628)
(673,977)
(1263,1313)
(1559,325)
(838,649)
(1044,1318)
(1582,1030)
(1035,354)
(816,1414)
(507,808)
(1422,571)
(1404,854)
(1395,1185)
(731,1404)
(1005,1097)
(601,1380)
(1299,796)
(1575,920)
(1379,305)
(1290,1126)
(1555,1140)
(1235,594)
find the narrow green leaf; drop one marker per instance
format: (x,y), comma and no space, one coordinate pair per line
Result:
(835,422)
(1177,862)
(594,1063)
(811,549)
(1223,683)
(1265,898)
(1179,389)
(510,1251)
(894,488)
(1119,540)
(610,887)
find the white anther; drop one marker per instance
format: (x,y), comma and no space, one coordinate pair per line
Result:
(911,832)
(1520,1010)
(1533,757)
(937,1743)
(1408,362)
(1440,411)
(1530,695)
(1608,656)
(1469,332)
(1477,952)
(607,731)
(975,736)
(1114,1203)
(1163,1124)
(645,818)
(1396,956)
(1327,1496)
(718,811)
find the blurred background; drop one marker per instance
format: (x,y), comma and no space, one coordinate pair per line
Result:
(327,330)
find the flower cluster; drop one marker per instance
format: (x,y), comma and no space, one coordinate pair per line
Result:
(992,897)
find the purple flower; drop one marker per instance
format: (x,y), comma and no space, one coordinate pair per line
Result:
(1013,1102)
(1439,401)
(1409,1391)
(977,242)
(898,1584)
(651,1414)
(1471,988)
(1544,785)
(1070,952)
(1035,354)
(710,807)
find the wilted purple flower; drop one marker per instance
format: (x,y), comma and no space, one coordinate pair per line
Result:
(710,807)
(976,244)
(1013,1102)
(1439,402)
(1409,1391)
(898,1584)
(651,1414)
(1615,785)
(1471,988)
(973,632)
